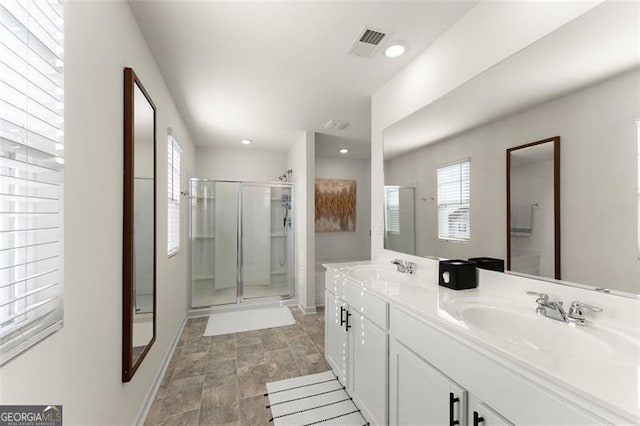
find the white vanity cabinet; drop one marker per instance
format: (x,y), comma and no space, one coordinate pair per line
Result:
(419,394)
(335,347)
(356,344)
(427,364)
(480,414)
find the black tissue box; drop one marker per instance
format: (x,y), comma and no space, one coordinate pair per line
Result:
(458,274)
(489,263)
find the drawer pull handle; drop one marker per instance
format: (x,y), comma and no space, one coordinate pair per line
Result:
(477,419)
(452,401)
(348,316)
(342,311)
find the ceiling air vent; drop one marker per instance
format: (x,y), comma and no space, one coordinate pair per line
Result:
(368,42)
(336,125)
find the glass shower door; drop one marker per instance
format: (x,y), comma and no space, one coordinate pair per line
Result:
(267,241)
(214,241)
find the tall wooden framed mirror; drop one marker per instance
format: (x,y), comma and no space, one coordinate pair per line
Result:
(139,225)
(533,208)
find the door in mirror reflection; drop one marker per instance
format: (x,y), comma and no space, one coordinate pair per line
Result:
(533,205)
(400,218)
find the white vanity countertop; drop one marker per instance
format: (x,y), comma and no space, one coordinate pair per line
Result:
(602,375)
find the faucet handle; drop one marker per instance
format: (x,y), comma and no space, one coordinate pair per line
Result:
(542,296)
(577,305)
(576,311)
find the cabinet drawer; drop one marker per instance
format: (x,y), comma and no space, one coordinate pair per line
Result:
(334,283)
(361,300)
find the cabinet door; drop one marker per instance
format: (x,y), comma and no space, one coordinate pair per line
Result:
(368,365)
(483,415)
(421,395)
(336,348)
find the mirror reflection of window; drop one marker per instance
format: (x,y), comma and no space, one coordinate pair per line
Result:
(454,195)
(392,211)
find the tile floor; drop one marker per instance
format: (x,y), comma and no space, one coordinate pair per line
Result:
(220,380)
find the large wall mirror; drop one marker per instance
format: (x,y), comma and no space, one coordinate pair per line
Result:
(139,238)
(573,92)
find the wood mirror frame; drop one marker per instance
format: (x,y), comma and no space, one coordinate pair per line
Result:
(556,200)
(129,365)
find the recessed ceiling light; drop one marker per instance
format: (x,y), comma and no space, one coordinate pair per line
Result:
(344,151)
(395,49)
(246,141)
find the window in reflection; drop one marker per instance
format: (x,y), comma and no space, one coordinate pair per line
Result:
(392,212)
(454,182)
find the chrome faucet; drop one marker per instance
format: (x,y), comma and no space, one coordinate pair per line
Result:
(555,310)
(404,267)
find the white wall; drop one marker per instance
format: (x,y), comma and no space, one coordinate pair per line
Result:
(244,163)
(80,366)
(347,245)
(598,207)
(301,159)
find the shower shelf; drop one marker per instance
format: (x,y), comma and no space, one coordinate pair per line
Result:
(204,236)
(203,277)
(278,272)
(280,235)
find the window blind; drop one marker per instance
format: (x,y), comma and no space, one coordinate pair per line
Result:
(174,153)
(392,209)
(31,162)
(454,201)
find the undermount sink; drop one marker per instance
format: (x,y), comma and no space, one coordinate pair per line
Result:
(377,273)
(523,331)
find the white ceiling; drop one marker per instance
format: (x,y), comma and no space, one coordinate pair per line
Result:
(329,146)
(268,71)
(595,46)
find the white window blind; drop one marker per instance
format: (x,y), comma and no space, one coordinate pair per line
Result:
(392,209)
(174,153)
(31,161)
(454,201)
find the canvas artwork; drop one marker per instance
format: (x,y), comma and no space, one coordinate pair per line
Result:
(335,205)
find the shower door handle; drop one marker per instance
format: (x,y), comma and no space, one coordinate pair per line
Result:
(348,326)
(342,311)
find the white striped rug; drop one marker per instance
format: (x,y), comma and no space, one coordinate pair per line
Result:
(313,399)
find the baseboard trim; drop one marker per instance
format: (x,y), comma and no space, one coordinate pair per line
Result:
(144,411)
(309,310)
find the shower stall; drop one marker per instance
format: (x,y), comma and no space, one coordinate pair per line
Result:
(242,241)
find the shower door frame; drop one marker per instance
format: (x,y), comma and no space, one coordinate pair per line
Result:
(239,255)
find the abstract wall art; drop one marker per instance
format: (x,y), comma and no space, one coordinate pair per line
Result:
(335,205)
